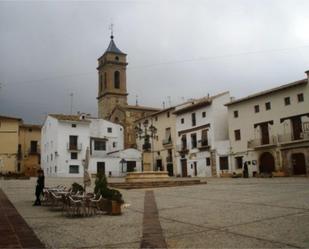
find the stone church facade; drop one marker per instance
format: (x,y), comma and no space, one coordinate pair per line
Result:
(112,93)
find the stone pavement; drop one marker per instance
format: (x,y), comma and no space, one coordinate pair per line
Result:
(152,231)
(225,213)
(14,231)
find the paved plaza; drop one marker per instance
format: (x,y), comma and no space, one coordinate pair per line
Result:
(225,213)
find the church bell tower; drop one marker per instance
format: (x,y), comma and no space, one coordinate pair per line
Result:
(112,86)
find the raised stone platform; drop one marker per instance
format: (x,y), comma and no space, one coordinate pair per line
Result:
(147,176)
(156,184)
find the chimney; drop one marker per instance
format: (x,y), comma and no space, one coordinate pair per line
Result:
(307,72)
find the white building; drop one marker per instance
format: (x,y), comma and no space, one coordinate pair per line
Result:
(269,130)
(65,139)
(202,137)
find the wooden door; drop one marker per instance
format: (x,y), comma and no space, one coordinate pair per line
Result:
(195,168)
(299,164)
(267,163)
(184,171)
(296,128)
(265,133)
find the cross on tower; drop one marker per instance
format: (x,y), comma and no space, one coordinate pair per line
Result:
(111,28)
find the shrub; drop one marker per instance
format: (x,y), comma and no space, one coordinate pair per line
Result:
(102,189)
(77,187)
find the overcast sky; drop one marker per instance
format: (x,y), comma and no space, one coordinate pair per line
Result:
(181,49)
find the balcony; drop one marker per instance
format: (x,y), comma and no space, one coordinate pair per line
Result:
(169,160)
(262,143)
(74,147)
(289,138)
(34,150)
(182,149)
(167,142)
(203,144)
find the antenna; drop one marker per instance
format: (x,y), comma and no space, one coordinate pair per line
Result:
(71,104)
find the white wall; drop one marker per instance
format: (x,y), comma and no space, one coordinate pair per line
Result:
(216,116)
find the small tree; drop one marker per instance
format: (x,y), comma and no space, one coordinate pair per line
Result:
(100,184)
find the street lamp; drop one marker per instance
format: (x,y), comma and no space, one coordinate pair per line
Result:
(147,133)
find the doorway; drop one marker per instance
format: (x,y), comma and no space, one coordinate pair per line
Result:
(195,168)
(101,167)
(267,163)
(131,166)
(296,128)
(299,164)
(170,169)
(184,171)
(159,165)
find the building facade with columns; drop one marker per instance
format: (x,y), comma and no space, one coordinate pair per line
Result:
(269,130)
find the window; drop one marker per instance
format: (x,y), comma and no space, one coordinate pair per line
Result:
(51,157)
(74,155)
(224,163)
(33,146)
(73,125)
(238,162)
(256,108)
(168,114)
(300,97)
(156,118)
(117,79)
(73,142)
(101,83)
(117,58)
(207,161)
(105,80)
(204,137)
(55,169)
(237,135)
(114,144)
(182,120)
(99,145)
(109,129)
(287,101)
(204,114)
(74,169)
(193,118)
(235,114)
(267,106)
(184,142)
(193,141)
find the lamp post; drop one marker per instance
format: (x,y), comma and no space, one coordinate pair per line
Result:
(147,133)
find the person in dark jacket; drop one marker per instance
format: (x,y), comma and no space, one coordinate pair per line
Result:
(39,187)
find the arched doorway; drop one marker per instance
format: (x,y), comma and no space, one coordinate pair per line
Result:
(299,164)
(267,163)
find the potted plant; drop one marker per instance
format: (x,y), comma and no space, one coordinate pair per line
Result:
(113,196)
